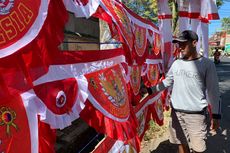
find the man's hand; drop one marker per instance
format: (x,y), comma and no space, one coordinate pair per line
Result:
(143,91)
(215,123)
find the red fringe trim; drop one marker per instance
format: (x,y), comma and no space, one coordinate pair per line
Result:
(113,129)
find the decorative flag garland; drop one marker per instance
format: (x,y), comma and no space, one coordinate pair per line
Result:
(50,87)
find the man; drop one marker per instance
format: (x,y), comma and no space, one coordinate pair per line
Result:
(195,84)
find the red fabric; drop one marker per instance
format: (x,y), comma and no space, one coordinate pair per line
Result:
(113,129)
(165,16)
(72,57)
(153,75)
(157,112)
(135,78)
(214,16)
(183,14)
(134,99)
(143,121)
(61,95)
(13,116)
(121,19)
(157,44)
(204,20)
(32,61)
(105,146)
(18,22)
(109,110)
(103,15)
(140,44)
(17,72)
(194,15)
(47,138)
(167,54)
(83,2)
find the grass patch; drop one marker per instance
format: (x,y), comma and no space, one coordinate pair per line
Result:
(155,130)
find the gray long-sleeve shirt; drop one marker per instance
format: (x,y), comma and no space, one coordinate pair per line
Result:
(190,80)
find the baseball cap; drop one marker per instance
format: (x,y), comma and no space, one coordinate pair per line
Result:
(187,35)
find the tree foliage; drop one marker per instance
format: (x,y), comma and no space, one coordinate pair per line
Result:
(144,8)
(225,23)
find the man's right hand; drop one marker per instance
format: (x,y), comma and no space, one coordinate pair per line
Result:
(215,124)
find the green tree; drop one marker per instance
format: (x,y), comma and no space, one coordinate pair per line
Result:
(225,23)
(219,3)
(144,8)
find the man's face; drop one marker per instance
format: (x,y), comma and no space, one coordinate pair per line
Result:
(185,48)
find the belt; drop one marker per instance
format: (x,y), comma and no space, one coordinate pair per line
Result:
(203,111)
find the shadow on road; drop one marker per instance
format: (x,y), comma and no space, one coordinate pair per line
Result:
(165,147)
(220,142)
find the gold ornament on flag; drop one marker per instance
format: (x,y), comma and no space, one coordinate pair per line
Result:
(7,117)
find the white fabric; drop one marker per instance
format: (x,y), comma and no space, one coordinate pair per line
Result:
(204,31)
(212,7)
(163,8)
(31,34)
(194,6)
(208,8)
(59,72)
(57,121)
(194,24)
(81,10)
(32,120)
(183,21)
(205,7)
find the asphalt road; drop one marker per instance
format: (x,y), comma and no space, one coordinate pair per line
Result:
(220,142)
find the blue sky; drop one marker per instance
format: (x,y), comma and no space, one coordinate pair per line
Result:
(224,11)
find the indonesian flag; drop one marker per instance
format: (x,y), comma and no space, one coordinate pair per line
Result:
(82,8)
